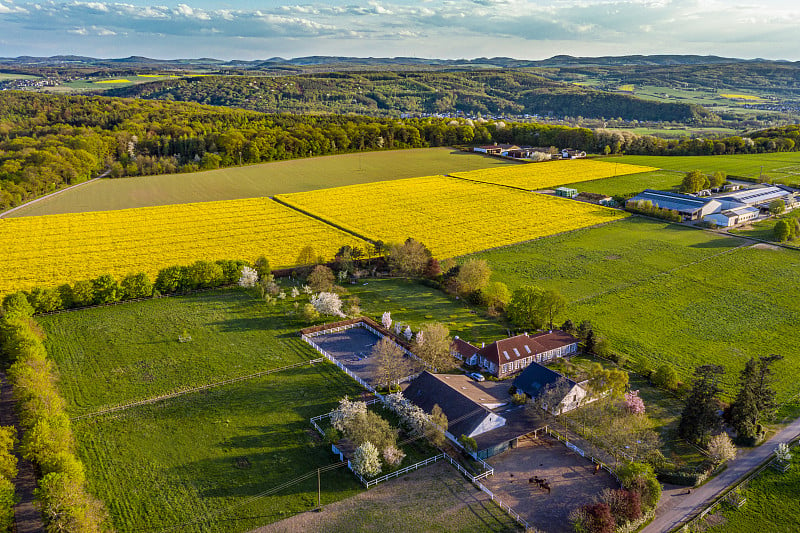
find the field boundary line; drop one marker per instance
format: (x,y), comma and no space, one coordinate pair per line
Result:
(321,219)
(181,392)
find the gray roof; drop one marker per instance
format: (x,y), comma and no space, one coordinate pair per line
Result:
(536,378)
(464,415)
(670,200)
(756,196)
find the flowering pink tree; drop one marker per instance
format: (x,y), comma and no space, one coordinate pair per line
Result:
(633,403)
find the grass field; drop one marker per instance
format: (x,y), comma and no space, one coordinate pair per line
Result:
(550,174)
(450,216)
(451,504)
(660,179)
(414,304)
(199,462)
(664,293)
(112,355)
(266,179)
(782,166)
(150,238)
(772,504)
(14,76)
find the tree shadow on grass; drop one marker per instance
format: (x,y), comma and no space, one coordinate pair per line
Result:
(725,242)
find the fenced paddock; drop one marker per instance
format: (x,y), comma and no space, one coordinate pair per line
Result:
(572,478)
(349,345)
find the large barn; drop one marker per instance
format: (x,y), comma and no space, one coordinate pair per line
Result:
(508,356)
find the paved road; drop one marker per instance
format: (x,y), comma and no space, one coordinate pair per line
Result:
(702,496)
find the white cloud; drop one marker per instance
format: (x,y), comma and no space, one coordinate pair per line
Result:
(465,28)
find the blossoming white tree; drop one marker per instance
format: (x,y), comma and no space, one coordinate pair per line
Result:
(327,303)
(366,460)
(249,277)
(420,338)
(408,333)
(721,449)
(347,411)
(386,319)
(295,293)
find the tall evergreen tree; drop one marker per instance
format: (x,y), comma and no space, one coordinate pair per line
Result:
(755,396)
(699,417)
(744,410)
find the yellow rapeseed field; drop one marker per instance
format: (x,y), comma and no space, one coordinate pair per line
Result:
(449,215)
(55,249)
(535,176)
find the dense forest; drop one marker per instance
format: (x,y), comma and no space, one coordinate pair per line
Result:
(488,92)
(50,141)
(734,75)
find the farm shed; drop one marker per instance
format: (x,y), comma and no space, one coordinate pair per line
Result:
(506,356)
(538,381)
(566,192)
(690,207)
(760,196)
(733,217)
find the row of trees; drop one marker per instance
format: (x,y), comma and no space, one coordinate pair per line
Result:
(107,289)
(8,472)
(48,440)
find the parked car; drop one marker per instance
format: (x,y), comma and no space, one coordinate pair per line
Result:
(477,376)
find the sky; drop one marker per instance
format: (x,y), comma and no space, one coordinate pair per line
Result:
(447,29)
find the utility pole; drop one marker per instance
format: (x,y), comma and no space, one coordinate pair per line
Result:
(319,492)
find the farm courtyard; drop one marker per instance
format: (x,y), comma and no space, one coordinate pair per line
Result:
(572,480)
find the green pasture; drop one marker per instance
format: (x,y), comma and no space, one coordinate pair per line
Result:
(266,179)
(203,462)
(631,183)
(113,355)
(665,293)
(781,165)
(772,504)
(414,304)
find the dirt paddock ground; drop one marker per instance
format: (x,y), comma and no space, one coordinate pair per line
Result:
(433,498)
(572,480)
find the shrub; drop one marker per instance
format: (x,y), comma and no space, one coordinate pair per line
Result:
(321,279)
(248,278)
(45,300)
(106,290)
(135,286)
(171,279)
(262,267)
(468,443)
(204,275)
(17,305)
(640,478)
(665,377)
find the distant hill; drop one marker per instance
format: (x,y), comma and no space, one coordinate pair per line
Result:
(489,92)
(395,63)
